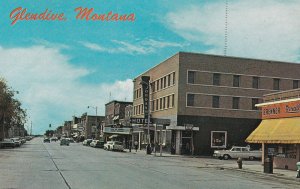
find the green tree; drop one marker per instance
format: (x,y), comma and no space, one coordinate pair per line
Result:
(11,113)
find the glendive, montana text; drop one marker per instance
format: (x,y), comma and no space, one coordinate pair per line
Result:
(87,14)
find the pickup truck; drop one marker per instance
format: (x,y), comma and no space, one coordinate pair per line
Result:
(238,152)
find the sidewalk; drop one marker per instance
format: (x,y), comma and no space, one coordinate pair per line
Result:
(252,167)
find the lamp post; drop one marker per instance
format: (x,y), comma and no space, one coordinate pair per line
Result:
(148,149)
(96,108)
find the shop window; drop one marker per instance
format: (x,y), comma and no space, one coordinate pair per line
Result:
(218,139)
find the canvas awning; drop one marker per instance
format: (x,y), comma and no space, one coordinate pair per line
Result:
(277,131)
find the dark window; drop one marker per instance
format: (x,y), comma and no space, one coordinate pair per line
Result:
(161,83)
(190,99)
(173,100)
(153,86)
(236,80)
(165,82)
(168,101)
(255,82)
(174,78)
(254,101)
(160,103)
(276,84)
(169,80)
(216,79)
(164,102)
(156,108)
(295,84)
(140,92)
(152,105)
(216,102)
(142,108)
(235,102)
(191,77)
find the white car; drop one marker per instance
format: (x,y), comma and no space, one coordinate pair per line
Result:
(238,152)
(114,146)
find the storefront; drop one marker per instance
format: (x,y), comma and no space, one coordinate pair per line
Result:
(279,132)
(115,133)
(182,140)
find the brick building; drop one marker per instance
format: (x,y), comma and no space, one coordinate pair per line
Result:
(210,100)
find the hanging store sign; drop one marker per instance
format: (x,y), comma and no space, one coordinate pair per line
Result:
(281,110)
(117,130)
(145,86)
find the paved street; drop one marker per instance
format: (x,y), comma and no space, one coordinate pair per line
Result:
(36,165)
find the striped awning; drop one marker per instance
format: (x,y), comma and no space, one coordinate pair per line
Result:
(277,131)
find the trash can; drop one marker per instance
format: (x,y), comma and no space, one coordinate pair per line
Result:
(148,149)
(268,165)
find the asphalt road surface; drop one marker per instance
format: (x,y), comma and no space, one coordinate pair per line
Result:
(38,165)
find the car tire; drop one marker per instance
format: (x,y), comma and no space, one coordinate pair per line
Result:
(226,157)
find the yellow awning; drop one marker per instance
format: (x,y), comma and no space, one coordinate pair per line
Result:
(275,131)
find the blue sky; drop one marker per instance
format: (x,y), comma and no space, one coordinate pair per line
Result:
(61,67)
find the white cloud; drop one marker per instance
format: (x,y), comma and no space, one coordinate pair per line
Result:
(258,29)
(143,47)
(49,85)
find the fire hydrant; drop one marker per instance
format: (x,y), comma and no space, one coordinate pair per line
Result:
(240,163)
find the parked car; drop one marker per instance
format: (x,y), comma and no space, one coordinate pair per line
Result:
(238,152)
(87,142)
(97,144)
(7,143)
(64,141)
(71,140)
(114,146)
(17,142)
(46,140)
(54,139)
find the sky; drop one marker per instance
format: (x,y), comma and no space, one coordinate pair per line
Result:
(60,67)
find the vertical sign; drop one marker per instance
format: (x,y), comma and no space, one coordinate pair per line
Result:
(145,85)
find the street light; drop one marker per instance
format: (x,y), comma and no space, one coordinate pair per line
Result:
(96,108)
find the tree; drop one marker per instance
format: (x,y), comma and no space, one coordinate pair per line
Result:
(11,113)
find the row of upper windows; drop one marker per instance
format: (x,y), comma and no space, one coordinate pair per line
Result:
(163,103)
(236,81)
(163,82)
(156,104)
(157,85)
(190,101)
